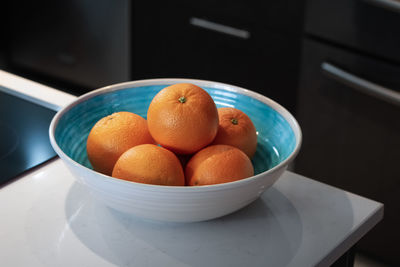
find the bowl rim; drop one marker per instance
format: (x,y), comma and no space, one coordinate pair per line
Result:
(169,81)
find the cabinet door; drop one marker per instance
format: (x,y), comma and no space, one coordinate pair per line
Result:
(81,42)
(177,41)
(368,25)
(352,139)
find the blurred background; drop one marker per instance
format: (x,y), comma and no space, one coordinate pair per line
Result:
(334,64)
(86,44)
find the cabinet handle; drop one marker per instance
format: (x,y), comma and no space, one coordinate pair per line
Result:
(393,5)
(209,25)
(361,84)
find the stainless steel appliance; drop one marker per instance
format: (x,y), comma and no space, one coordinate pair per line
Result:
(349,108)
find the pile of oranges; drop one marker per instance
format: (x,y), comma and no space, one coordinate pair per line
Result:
(186,140)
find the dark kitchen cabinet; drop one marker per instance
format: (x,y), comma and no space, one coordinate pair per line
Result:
(175,40)
(81,42)
(89,44)
(351,139)
(369,26)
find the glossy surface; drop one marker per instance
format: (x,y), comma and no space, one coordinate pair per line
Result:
(24,141)
(297,223)
(279,140)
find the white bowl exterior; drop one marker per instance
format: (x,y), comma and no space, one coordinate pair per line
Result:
(177,204)
(170,205)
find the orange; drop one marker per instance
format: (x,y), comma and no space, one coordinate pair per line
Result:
(236,129)
(113,135)
(218,164)
(149,164)
(183,118)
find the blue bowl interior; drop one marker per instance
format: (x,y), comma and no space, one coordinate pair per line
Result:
(276,139)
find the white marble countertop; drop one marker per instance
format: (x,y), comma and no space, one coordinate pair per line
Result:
(48,219)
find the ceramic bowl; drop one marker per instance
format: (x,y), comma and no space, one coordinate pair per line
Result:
(279,139)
